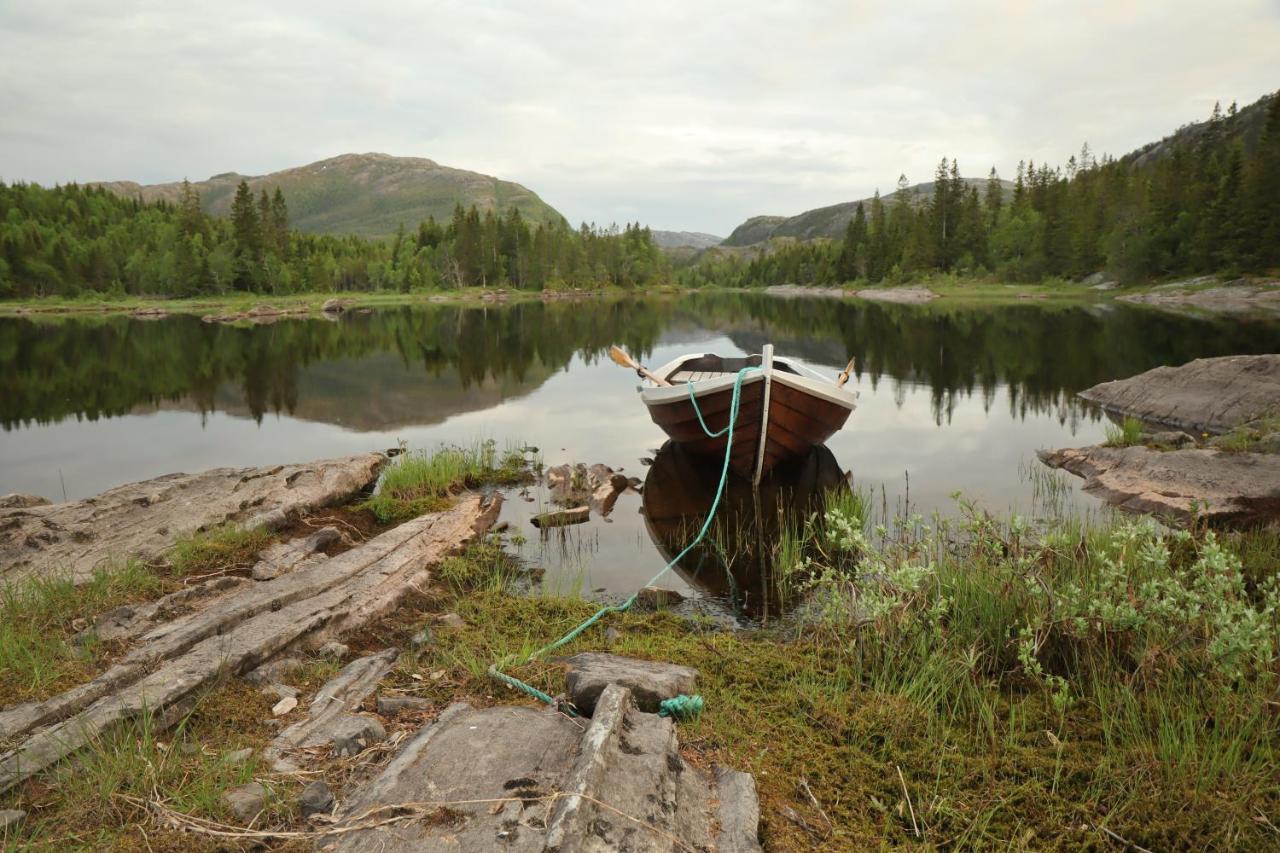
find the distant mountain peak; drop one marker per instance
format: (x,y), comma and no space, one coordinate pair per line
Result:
(368,194)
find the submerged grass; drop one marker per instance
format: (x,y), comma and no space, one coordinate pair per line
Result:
(418,482)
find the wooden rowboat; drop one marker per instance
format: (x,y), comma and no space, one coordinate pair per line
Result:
(785,408)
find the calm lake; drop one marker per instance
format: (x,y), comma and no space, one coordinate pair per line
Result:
(953,398)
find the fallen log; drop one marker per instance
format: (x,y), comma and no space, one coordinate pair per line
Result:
(143,520)
(172,664)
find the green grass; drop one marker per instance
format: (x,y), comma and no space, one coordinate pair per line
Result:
(1124,434)
(419,482)
(38,616)
(219,550)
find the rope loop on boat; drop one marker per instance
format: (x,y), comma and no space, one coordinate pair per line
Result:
(680,707)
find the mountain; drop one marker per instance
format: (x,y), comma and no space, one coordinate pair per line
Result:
(1246,125)
(685,239)
(365,194)
(826,221)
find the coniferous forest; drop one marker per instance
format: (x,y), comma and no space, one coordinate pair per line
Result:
(1208,206)
(77,240)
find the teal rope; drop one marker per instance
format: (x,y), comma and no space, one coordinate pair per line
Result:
(681,707)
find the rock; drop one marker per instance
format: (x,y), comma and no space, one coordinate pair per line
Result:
(352,734)
(131,620)
(597,487)
(145,519)
(10,819)
(1169,438)
(284,706)
(1268,444)
(738,812)
(612,634)
(421,639)
(315,799)
(279,691)
(451,621)
(275,671)
(333,650)
(390,706)
(1205,395)
(177,661)
(561,518)
(247,801)
(330,719)
(17,501)
(649,682)
(239,756)
(1226,489)
(1234,297)
(657,598)
(336,305)
(287,556)
(903,295)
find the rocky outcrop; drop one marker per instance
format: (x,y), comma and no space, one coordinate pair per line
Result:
(520,779)
(650,683)
(145,519)
(901,295)
(258,315)
(1205,395)
(171,664)
(1223,489)
(1232,297)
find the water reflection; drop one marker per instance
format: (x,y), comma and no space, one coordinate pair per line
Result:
(734,562)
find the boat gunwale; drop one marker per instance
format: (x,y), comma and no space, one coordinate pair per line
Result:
(804,380)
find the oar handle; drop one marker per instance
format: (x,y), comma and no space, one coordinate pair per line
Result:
(621,358)
(844,374)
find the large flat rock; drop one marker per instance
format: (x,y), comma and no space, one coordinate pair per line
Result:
(1205,395)
(145,519)
(649,682)
(1225,489)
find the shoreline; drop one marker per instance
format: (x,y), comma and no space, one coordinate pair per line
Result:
(1214,294)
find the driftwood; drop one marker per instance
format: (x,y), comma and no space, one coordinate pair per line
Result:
(171,665)
(145,519)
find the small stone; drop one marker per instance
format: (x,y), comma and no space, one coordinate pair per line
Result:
(316,798)
(10,818)
(274,671)
(656,598)
(650,682)
(354,733)
(284,706)
(452,621)
(280,691)
(420,639)
(247,801)
(333,650)
(612,635)
(562,518)
(239,756)
(390,706)
(1169,438)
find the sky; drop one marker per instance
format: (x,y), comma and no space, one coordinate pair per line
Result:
(684,116)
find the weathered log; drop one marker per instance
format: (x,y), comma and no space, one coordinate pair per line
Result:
(143,520)
(171,664)
(561,518)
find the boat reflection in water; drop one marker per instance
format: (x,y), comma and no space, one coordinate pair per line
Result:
(734,562)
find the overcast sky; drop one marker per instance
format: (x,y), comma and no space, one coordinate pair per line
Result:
(684,115)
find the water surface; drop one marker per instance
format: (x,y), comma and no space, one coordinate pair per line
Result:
(953,398)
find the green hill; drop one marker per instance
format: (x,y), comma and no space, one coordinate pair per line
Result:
(365,194)
(823,221)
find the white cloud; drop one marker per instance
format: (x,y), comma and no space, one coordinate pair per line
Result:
(684,115)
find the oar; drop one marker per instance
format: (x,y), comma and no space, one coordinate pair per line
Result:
(624,360)
(844,374)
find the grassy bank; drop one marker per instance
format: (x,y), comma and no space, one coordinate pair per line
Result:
(969,683)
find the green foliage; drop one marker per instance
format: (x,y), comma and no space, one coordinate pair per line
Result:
(72,240)
(38,617)
(218,550)
(1210,206)
(1124,434)
(421,482)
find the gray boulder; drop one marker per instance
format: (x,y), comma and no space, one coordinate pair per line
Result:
(649,682)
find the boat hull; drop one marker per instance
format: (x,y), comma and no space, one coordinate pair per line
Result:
(801,415)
